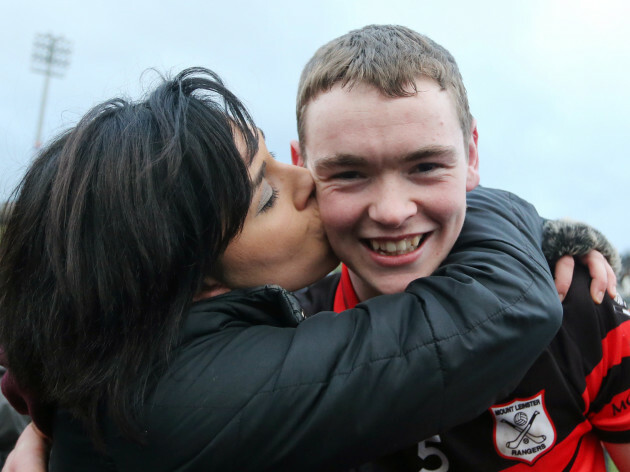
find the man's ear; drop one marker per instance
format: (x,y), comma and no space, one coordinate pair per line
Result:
(211,288)
(296,155)
(472,171)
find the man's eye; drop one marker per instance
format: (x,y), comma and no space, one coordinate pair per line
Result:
(428,167)
(270,201)
(347,175)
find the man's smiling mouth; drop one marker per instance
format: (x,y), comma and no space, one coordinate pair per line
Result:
(396,247)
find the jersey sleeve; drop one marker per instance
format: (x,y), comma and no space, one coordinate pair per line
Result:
(607,391)
(600,362)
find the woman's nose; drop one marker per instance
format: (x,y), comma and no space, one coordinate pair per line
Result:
(301,184)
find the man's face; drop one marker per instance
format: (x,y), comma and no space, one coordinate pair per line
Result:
(391,177)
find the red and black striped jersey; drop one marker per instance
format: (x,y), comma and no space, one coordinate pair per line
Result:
(575,395)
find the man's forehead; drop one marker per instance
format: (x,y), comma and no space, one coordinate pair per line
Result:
(363,116)
(365,99)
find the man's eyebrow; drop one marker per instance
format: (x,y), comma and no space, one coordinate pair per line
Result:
(350,160)
(259,177)
(429,152)
(339,160)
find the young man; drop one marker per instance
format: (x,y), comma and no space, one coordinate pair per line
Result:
(385,128)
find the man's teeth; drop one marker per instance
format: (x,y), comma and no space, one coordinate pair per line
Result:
(396,248)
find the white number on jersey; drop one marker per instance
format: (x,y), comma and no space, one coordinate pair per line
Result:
(425,451)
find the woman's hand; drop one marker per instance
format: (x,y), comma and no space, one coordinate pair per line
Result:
(604,279)
(30,453)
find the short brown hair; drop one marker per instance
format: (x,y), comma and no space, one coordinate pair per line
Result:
(388,57)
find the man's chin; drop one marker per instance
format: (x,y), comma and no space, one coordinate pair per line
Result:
(395,285)
(386,284)
(387,280)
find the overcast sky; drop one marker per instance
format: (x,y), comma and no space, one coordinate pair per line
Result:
(548,80)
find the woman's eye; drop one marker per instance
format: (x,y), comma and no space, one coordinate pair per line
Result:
(272,197)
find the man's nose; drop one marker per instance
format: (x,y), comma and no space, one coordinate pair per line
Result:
(392,204)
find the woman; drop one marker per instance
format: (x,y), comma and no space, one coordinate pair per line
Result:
(124,303)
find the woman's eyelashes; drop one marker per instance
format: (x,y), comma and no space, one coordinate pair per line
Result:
(267,198)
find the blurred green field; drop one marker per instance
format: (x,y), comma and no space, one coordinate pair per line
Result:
(610,467)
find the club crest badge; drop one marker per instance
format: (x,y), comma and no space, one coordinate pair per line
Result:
(523,430)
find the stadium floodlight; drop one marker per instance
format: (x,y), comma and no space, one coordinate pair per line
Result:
(50,57)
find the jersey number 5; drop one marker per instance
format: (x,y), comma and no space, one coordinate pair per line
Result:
(433,459)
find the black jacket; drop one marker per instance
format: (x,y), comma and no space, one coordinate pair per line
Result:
(254,387)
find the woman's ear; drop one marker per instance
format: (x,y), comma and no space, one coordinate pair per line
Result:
(211,287)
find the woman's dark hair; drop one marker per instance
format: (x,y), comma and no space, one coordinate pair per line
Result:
(110,234)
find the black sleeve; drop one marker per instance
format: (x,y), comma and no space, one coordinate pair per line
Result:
(341,389)
(73,449)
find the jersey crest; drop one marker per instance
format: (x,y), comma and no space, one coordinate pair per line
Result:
(523,431)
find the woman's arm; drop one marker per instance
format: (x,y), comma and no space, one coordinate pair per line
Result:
(338,390)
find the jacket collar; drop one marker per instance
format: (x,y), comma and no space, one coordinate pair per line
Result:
(266,304)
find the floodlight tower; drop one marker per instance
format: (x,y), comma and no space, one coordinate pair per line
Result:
(50,57)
